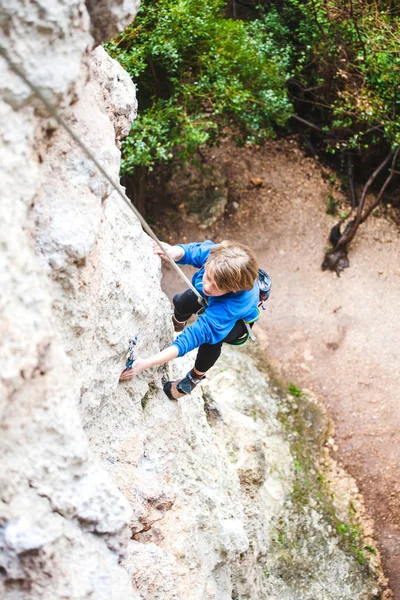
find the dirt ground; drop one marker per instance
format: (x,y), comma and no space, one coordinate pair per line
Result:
(339,337)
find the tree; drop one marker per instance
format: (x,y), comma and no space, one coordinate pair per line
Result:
(346,92)
(333,65)
(199,75)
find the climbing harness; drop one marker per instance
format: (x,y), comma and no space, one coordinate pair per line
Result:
(242,340)
(53,111)
(130,357)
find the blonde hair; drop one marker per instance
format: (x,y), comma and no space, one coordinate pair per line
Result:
(234,266)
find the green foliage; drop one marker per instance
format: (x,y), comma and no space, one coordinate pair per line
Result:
(201,75)
(370,549)
(294,390)
(198,75)
(352,536)
(297,465)
(347,66)
(332,206)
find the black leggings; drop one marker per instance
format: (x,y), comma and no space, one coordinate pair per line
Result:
(186,305)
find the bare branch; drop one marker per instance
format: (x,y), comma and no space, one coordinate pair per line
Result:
(309,124)
(350,177)
(349,235)
(362,44)
(383,188)
(336,259)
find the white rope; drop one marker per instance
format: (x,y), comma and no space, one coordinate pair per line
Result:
(53,111)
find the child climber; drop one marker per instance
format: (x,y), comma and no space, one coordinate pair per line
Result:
(227,279)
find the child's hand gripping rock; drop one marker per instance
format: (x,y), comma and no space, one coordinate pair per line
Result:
(175,252)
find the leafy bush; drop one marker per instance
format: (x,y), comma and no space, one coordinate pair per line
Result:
(199,74)
(348,68)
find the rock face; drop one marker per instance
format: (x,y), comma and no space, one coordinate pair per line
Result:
(108,490)
(63,522)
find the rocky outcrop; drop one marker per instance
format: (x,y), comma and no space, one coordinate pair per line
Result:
(109,490)
(63,521)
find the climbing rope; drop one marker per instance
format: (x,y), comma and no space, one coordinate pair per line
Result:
(53,111)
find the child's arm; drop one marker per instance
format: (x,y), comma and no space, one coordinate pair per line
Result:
(175,252)
(141,364)
(194,254)
(210,328)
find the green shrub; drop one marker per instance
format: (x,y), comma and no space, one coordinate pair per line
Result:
(199,75)
(347,66)
(294,390)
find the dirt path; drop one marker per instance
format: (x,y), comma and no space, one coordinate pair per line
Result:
(339,337)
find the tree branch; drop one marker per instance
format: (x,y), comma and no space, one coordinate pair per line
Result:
(347,237)
(383,188)
(350,177)
(362,44)
(336,259)
(309,124)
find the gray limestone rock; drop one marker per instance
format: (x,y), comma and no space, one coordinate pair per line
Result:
(63,522)
(108,17)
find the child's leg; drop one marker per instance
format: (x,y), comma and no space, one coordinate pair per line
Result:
(207,356)
(185,305)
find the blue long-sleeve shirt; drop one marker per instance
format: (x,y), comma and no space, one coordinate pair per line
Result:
(222,312)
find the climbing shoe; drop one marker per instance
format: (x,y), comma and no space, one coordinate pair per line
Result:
(182,387)
(178,325)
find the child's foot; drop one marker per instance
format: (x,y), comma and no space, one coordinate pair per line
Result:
(178,325)
(182,387)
